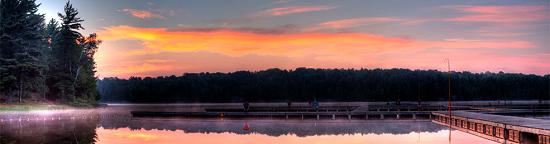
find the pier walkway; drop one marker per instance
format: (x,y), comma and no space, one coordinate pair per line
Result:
(498,128)
(293,115)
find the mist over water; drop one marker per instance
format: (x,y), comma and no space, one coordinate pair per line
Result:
(116,125)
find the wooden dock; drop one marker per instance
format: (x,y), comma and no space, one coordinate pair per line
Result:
(498,128)
(332,115)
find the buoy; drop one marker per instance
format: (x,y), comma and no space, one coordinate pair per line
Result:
(246,127)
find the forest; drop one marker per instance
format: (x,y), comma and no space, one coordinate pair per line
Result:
(45,61)
(307,84)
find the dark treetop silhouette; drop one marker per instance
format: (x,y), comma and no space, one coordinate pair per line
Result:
(303,84)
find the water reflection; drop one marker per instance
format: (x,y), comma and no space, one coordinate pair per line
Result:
(127,136)
(102,126)
(47,131)
(278,128)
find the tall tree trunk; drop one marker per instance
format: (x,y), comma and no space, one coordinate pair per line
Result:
(20,90)
(44,90)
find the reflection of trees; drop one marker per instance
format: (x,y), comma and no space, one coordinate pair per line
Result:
(271,128)
(64,131)
(282,128)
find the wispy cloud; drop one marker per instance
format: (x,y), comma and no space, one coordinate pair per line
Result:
(294,9)
(353,22)
(142,14)
(501,14)
(261,15)
(281,1)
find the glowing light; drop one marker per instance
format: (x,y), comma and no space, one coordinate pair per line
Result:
(44,112)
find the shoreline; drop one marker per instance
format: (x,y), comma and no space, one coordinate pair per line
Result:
(26,107)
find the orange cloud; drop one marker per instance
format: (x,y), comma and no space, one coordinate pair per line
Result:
(232,42)
(501,14)
(294,9)
(142,14)
(164,51)
(236,43)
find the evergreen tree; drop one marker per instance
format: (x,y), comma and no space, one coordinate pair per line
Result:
(38,59)
(72,71)
(50,32)
(65,54)
(21,45)
(85,80)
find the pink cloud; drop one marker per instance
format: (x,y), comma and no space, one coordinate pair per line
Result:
(501,14)
(142,14)
(294,9)
(475,60)
(486,44)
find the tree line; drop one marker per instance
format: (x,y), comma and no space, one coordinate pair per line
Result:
(306,84)
(42,61)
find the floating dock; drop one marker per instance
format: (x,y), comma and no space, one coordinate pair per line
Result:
(498,128)
(292,115)
(300,112)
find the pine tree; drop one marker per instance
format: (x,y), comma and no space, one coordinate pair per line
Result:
(73,67)
(65,54)
(50,32)
(21,45)
(86,80)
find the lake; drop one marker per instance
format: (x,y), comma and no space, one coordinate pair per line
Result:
(117,126)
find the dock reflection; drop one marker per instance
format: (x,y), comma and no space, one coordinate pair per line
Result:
(100,126)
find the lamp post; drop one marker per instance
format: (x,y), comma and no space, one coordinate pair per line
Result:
(449,98)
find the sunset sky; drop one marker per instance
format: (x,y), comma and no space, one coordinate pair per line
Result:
(172,37)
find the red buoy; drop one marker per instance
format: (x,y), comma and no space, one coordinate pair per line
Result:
(246,127)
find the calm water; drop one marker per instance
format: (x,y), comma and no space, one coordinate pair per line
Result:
(107,126)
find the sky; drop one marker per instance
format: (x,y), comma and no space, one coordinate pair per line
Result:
(171,37)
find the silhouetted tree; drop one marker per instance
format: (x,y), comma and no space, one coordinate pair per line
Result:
(65,54)
(302,84)
(45,59)
(21,47)
(85,79)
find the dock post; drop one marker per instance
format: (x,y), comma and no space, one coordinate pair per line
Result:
(333,117)
(317,117)
(397,116)
(349,117)
(505,133)
(414,116)
(430,116)
(302,117)
(381,116)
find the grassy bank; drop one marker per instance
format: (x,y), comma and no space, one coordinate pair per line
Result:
(33,106)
